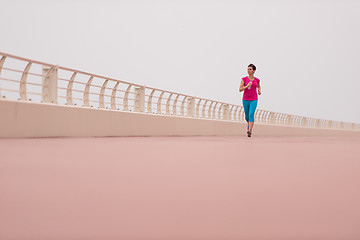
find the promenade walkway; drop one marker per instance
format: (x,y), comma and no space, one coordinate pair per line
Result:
(180,188)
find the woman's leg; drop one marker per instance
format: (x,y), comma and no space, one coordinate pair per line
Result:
(253,105)
(246,105)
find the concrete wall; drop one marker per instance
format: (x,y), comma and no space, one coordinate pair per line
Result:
(26,119)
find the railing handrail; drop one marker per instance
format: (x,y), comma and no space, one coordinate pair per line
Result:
(216,109)
(95,75)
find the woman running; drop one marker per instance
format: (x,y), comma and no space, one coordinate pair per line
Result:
(249,84)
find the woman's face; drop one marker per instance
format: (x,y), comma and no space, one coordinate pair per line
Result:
(250,71)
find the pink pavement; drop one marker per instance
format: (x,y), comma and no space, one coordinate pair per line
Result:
(180,188)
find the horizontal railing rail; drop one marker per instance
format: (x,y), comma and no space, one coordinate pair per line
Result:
(31,80)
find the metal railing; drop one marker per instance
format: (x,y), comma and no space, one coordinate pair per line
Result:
(30,80)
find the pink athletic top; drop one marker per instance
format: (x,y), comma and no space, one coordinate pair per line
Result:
(250,94)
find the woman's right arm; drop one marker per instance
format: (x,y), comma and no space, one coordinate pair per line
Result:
(242,88)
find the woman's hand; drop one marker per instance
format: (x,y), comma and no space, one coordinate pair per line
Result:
(259,92)
(249,84)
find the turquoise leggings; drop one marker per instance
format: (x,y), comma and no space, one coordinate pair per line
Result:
(249,108)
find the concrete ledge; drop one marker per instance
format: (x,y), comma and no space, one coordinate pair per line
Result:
(27,119)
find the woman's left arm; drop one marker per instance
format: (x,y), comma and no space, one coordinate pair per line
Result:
(259,89)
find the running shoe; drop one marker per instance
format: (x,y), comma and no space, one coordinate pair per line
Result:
(249,133)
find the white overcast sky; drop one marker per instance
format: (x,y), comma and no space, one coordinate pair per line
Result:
(307,53)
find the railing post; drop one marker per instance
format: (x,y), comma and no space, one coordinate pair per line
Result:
(197,109)
(174,105)
(242,115)
(139,99)
(1,66)
(23,81)
(203,115)
(168,104)
(230,116)
(190,107)
(158,109)
(69,98)
(113,96)
(303,122)
(126,98)
(209,109)
(49,84)
(87,92)
(182,109)
(102,93)
(149,102)
(235,116)
(288,120)
(225,115)
(272,118)
(213,111)
(261,115)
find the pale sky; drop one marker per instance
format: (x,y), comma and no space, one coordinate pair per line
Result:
(307,53)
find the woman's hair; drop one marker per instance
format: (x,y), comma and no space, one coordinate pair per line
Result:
(253,66)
